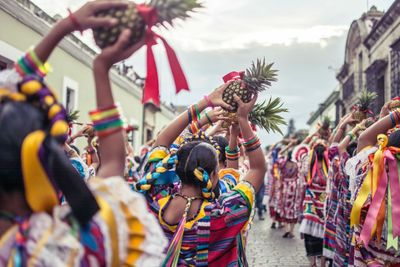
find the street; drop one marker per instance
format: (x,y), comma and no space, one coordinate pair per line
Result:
(266,247)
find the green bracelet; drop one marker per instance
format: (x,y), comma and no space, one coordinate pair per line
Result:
(209,119)
(197,112)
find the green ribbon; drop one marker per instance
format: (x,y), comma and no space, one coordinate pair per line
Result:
(391,242)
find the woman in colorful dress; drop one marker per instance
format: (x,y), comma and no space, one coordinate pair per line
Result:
(289,176)
(312,225)
(275,190)
(202,231)
(106,225)
(374,183)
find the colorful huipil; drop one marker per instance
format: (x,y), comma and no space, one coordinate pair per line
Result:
(275,193)
(122,233)
(210,238)
(289,177)
(376,208)
(331,205)
(301,153)
(314,200)
(342,239)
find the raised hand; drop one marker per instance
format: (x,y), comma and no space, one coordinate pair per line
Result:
(119,51)
(244,108)
(86,15)
(216,97)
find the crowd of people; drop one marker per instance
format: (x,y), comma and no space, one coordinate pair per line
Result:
(189,197)
(340,186)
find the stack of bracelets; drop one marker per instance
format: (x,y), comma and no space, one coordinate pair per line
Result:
(395,117)
(107,121)
(252,143)
(31,64)
(194,117)
(232,155)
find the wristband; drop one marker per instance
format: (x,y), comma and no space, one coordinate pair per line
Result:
(209,119)
(74,21)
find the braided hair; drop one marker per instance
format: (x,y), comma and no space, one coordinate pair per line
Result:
(196,162)
(32,160)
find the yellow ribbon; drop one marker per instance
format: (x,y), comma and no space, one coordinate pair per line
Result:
(370,182)
(39,191)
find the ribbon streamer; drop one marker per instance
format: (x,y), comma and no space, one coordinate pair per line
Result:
(151,91)
(232,76)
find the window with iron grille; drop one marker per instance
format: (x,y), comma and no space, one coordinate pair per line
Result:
(348,88)
(395,69)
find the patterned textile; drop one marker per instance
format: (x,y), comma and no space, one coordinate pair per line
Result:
(376,253)
(342,239)
(331,206)
(123,233)
(211,235)
(313,214)
(289,176)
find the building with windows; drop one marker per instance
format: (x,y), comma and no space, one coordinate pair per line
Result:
(371,62)
(372,57)
(23,24)
(326,109)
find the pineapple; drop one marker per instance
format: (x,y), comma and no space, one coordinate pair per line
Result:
(323,131)
(267,115)
(363,105)
(129,18)
(256,79)
(395,103)
(72,116)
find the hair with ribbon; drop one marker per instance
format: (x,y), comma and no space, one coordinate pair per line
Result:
(201,136)
(196,162)
(381,186)
(319,152)
(35,129)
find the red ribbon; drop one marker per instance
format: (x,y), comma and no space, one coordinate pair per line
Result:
(151,91)
(234,75)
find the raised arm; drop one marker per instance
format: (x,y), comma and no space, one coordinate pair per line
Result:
(368,137)
(112,147)
(82,19)
(176,127)
(233,162)
(256,174)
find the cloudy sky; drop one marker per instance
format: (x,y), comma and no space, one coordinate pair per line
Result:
(305,39)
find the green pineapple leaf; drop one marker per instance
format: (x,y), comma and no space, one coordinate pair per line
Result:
(72,116)
(365,100)
(268,115)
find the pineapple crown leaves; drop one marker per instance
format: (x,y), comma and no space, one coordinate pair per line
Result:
(168,10)
(365,100)
(260,75)
(72,116)
(267,115)
(326,122)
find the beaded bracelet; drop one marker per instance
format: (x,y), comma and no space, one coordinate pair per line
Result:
(209,119)
(252,144)
(107,121)
(352,136)
(194,127)
(193,113)
(232,154)
(31,64)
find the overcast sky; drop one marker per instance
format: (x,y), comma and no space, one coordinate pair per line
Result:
(305,39)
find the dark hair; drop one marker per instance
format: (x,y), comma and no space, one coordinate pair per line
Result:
(76,149)
(195,155)
(17,121)
(352,148)
(223,143)
(394,139)
(289,155)
(320,150)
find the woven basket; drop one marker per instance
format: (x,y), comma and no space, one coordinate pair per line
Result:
(394,104)
(359,116)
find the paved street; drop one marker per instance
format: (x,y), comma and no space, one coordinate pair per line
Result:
(267,248)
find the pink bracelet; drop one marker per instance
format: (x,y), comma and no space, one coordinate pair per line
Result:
(74,21)
(249,139)
(209,103)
